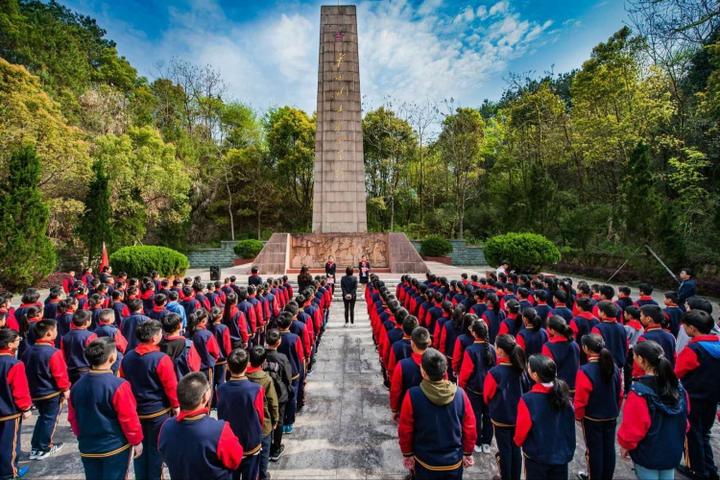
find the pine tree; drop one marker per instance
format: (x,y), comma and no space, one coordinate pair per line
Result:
(94,227)
(28,255)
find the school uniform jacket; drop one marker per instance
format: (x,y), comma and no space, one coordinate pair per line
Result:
(531,341)
(399,350)
(582,324)
(103,415)
(698,365)
(596,399)
(546,435)
(663,338)
(615,338)
(73,345)
(106,330)
(248,311)
(14,390)
(461,343)
(151,374)
(475,367)
(241,403)
(291,347)
(128,327)
(222,337)
(46,370)
(195,445)
(566,355)
(437,431)
(492,319)
(502,390)
(183,354)
(237,323)
(405,376)
(207,347)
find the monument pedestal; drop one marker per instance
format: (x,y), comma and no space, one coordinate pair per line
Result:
(389,252)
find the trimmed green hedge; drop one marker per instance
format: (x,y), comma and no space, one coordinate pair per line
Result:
(139,261)
(248,248)
(435,247)
(526,252)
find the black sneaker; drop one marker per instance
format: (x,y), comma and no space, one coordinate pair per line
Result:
(582,476)
(275,456)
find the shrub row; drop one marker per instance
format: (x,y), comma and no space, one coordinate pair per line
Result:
(139,261)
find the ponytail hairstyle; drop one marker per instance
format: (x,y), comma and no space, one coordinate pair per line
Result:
(533,319)
(230,301)
(192,323)
(480,331)
(596,344)
(559,325)
(507,344)
(546,370)
(494,302)
(458,316)
(654,355)
(513,306)
(468,320)
(447,307)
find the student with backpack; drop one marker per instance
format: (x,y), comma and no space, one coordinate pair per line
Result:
(278,367)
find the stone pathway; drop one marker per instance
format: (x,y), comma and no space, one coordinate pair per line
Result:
(345,430)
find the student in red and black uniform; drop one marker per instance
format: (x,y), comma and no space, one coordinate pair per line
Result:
(532,336)
(180,349)
(195,445)
(501,392)
(130,323)
(563,350)
(105,328)
(541,307)
(673,312)
(513,320)
(158,310)
(49,387)
(402,348)
(583,322)
(103,415)
(561,309)
(407,372)
(205,343)
(545,412)
(241,403)
(645,298)
(51,303)
(15,403)
(653,320)
(151,374)
(598,396)
(222,336)
(119,307)
(437,424)
(449,333)
(291,346)
(612,332)
(493,316)
(73,345)
(236,321)
(479,358)
(654,420)
(697,366)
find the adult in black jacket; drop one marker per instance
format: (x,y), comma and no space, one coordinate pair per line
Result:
(278,367)
(330,269)
(349,285)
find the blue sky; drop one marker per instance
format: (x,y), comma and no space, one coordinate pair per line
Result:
(410,50)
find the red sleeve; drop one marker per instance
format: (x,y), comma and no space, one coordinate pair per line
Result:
(72,418)
(396,390)
(468,367)
(469,428)
(126,409)
(165,371)
(391,362)
(229,450)
(503,329)
(595,330)
(635,423)
(489,388)
(194,359)
(299,348)
(457,356)
(58,369)
(520,340)
(686,362)
(90,339)
(443,339)
(523,424)
(243,327)
(213,347)
(547,352)
(318,320)
(227,344)
(120,342)
(406,427)
(260,405)
(583,390)
(251,318)
(125,312)
(17,379)
(574,327)
(436,334)
(307,341)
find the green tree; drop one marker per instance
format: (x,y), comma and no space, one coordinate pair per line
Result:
(389,144)
(95,224)
(461,143)
(28,254)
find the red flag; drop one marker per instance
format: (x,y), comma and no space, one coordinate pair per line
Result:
(104,261)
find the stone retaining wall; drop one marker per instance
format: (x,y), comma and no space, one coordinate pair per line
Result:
(462,254)
(207,257)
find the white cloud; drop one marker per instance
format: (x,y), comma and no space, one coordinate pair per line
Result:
(499,7)
(482,12)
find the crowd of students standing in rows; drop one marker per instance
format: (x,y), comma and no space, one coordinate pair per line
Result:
(522,359)
(141,362)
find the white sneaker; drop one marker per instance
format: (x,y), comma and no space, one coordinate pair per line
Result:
(33,455)
(53,450)
(478,449)
(486,448)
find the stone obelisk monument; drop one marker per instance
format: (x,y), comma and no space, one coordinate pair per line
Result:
(339,190)
(339,214)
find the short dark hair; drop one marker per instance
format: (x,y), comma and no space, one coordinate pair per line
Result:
(689,271)
(645,288)
(160,299)
(258,354)
(699,303)
(170,322)
(237,361)
(146,330)
(7,336)
(81,317)
(135,305)
(584,304)
(99,351)
(190,390)
(409,324)
(106,315)
(672,296)
(435,364)
(273,337)
(607,291)
(609,309)
(633,311)
(625,290)
(44,326)
(699,319)
(654,312)
(284,320)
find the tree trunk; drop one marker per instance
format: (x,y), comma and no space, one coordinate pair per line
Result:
(230,207)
